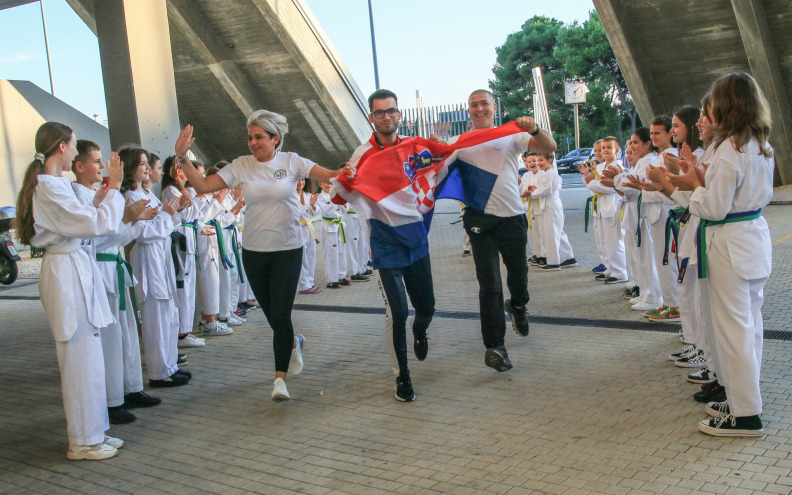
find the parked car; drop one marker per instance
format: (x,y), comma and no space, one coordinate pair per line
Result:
(569,163)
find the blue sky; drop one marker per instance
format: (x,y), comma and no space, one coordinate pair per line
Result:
(446,48)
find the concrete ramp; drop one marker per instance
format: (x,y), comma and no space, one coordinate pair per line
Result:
(231,57)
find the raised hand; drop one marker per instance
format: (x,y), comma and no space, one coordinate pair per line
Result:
(115,170)
(671,162)
(350,170)
(606,182)
(170,206)
(687,154)
(435,138)
(526,123)
(133,211)
(314,198)
(149,213)
(207,230)
(184,141)
(236,193)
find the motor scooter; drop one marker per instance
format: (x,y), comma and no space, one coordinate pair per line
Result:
(8,254)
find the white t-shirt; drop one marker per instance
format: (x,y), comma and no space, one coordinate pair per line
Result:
(504,200)
(270,190)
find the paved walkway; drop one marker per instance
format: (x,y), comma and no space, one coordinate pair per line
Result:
(591,406)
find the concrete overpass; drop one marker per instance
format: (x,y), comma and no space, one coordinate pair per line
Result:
(210,63)
(671,51)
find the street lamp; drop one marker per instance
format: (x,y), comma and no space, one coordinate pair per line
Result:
(373,47)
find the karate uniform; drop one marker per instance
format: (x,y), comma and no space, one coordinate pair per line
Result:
(657,206)
(533,212)
(190,227)
(608,226)
(208,260)
(643,264)
(72,293)
(354,236)
(156,289)
(555,243)
(333,242)
(310,238)
(120,344)
(739,257)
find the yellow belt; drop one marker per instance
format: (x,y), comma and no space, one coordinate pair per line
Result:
(530,216)
(340,226)
(309,223)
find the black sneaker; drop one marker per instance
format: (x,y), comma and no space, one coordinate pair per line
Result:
(359,278)
(636,291)
(404,389)
(541,261)
(518,318)
(716,393)
(119,416)
(703,375)
(184,373)
(732,426)
(333,285)
(344,281)
(600,276)
(497,359)
(368,272)
(569,263)
(140,399)
(182,360)
(175,380)
(718,409)
(421,347)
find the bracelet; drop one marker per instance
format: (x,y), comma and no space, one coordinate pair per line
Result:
(536,132)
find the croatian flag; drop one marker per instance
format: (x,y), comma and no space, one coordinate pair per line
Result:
(395,188)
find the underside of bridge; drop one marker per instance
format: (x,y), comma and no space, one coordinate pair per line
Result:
(231,57)
(671,51)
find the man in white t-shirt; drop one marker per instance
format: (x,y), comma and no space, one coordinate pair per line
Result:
(500,230)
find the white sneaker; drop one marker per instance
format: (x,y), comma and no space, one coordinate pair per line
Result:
(191,341)
(238,318)
(231,321)
(116,443)
(640,298)
(279,392)
(643,306)
(630,284)
(214,328)
(91,452)
(296,361)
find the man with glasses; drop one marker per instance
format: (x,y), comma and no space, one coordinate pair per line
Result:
(402,262)
(500,230)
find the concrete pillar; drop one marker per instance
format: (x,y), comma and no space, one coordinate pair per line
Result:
(137,68)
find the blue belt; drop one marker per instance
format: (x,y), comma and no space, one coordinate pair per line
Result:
(672,228)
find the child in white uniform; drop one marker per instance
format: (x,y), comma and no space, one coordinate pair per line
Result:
(735,251)
(49,216)
(532,209)
(120,345)
(556,247)
(333,238)
(306,210)
(606,212)
(153,268)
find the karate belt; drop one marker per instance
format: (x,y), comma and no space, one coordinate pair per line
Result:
(121,264)
(591,203)
(235,247)
(672,228)
(309,224)
(340,226)
(638,230)
(530,207)
(194,226)
(221,243)
(701,234)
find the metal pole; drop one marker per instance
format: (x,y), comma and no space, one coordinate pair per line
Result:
(577,128)
(373,47)
(46,45)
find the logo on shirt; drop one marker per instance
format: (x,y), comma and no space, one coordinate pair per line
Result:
(280,174)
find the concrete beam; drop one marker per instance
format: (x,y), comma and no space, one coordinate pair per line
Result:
(752,21)
(635,68)
(137,68)
(217,56)
(10,4)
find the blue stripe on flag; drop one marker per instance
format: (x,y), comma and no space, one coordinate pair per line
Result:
(467,183)
(397,247)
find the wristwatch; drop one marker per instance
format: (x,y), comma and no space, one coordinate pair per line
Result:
(536,132)
(183,159)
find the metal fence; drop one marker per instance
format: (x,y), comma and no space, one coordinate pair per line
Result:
(444,120)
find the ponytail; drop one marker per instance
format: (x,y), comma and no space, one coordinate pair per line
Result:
(48,137)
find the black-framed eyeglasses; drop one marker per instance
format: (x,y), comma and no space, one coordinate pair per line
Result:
(391,112)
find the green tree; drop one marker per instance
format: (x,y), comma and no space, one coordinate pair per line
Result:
(586,54)
(565,54)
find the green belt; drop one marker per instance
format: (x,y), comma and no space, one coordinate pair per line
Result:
(701,234)
(591,200)
(194,226)
(672,229)
(340,226)
(221,244)
(121,264)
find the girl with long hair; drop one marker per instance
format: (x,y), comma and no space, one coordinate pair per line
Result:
(70,284)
